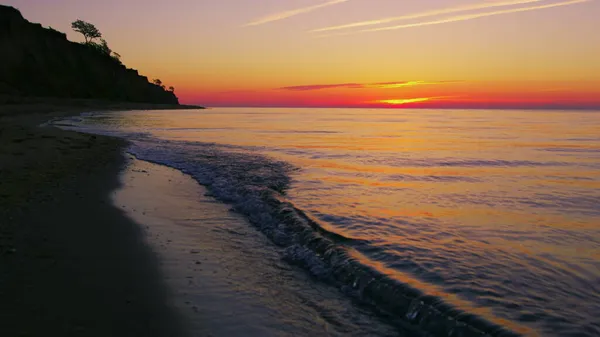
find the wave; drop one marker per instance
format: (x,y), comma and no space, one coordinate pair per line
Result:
(394,161)
(255,186)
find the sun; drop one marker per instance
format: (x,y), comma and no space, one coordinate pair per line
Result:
(404,100)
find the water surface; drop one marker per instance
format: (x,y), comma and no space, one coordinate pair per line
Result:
(493,213)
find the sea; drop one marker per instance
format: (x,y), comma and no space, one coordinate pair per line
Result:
(447,222)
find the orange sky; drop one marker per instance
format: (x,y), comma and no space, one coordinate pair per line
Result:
(353,53)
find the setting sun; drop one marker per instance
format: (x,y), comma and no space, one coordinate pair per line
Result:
(404,101)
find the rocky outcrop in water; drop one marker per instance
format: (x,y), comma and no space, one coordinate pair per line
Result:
(41,62)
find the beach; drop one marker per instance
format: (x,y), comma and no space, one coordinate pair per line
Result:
(429,217)
(95,242)
(190,223)
(71,264)
(225,277)
(98,243)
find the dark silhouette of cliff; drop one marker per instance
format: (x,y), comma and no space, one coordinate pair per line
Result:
(41,62)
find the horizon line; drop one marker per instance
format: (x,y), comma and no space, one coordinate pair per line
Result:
(407,107)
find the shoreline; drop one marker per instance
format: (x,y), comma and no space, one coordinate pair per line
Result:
(226,277)
(71,263)
(77,260)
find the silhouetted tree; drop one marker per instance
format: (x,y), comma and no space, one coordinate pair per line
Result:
(103,47)
(171,89)
(89,31)
(159,83)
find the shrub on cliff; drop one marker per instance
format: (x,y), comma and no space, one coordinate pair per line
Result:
(90,33)
(101,48)
(88,30)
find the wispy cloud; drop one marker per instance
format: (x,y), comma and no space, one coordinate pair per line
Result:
(322,86)
(293,12)
(477,15)
(428,14)
(380,85)
(455,18)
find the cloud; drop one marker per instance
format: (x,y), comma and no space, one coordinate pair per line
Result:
(321,86)
(476,16)
(461,18)
(380,85)
(427,14)
(293,12)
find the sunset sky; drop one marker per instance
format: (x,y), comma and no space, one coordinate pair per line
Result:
(352,53)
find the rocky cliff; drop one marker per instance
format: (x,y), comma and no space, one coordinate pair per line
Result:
(41,62)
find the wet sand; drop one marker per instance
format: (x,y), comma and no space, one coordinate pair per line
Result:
(71,263)
(93,243)
(227,278)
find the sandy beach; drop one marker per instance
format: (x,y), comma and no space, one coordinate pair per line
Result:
(97,243)
(225,277)
(159,234)
(71,264)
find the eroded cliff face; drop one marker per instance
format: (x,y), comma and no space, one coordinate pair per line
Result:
(41,62)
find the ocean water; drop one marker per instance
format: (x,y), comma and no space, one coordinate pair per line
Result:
(455,222)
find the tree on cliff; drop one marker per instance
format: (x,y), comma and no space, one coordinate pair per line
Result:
(89,31)
(159,83)
(103,46)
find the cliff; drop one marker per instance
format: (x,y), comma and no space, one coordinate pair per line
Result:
(41,62)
